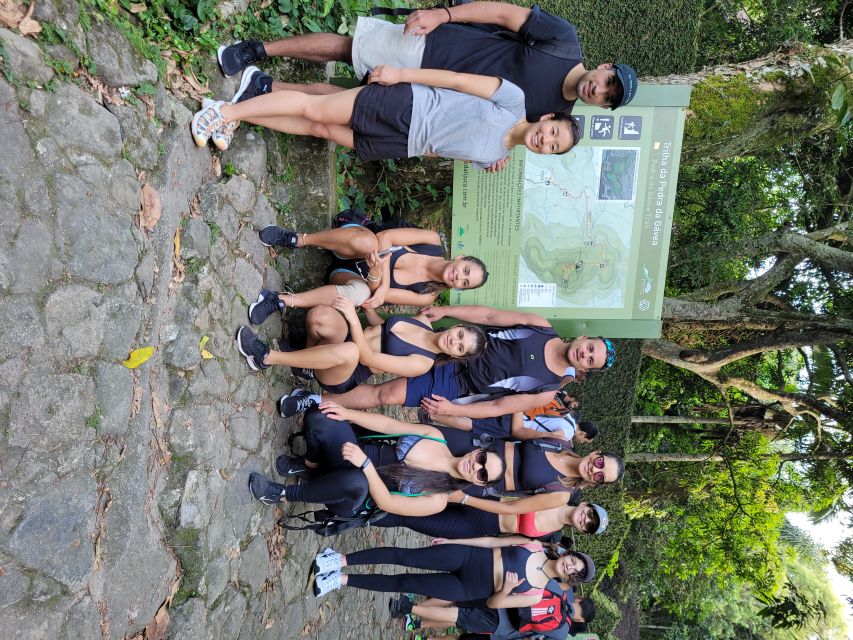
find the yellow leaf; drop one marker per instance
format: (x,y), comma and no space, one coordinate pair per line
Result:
(138,356)
(206,354)
(178,243)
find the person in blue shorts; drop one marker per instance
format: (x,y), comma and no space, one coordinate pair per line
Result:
(523,366)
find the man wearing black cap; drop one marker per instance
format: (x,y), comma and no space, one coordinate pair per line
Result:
(532,48)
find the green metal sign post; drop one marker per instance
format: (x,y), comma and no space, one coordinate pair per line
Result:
(580,238)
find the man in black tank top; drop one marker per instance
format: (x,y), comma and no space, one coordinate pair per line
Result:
(523,366)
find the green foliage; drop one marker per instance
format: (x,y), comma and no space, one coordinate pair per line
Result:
(734,31)
(607,398)
(607,614)
(842,557)
(638,33)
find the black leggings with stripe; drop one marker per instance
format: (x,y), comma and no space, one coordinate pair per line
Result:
(456,521)
(466,572)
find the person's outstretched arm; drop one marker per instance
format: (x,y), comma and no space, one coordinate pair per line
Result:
(531,504)
(485,542)
(472,84)
(512,403)
(508,16)
(425,505)
(377,422)
(477,314)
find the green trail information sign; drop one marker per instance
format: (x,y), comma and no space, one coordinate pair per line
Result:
(580,238)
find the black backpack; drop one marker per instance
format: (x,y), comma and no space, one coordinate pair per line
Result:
(562,50)
(325,523)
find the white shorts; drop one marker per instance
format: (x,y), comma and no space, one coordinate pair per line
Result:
(378,42)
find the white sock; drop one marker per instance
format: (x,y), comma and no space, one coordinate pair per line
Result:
(316,397)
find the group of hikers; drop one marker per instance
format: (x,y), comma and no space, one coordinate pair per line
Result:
(489,471)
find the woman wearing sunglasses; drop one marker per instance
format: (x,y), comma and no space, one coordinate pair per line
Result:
(505,572)
(413,476)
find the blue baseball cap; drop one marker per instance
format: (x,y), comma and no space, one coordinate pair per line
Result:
(628,78)
(603,520)
(610,350)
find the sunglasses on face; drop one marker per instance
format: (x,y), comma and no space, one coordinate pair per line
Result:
(480,459)
(598,463)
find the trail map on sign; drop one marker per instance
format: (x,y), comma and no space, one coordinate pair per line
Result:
(576,228)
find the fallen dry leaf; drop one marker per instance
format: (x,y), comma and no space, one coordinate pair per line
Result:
(178,268)
(14,15)
(225,475)
(232,553)
(156,629)
(138,7)
(138,356)
(151,207)
(269,624)
(217,167)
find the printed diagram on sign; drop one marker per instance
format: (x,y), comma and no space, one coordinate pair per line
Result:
(576,228)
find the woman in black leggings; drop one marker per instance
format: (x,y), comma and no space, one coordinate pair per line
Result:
(418,468)
(505,572)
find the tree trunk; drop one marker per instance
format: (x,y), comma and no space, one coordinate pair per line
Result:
(706,457)
(678,420)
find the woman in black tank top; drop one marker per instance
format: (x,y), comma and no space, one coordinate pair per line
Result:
(362,267)
(339,354)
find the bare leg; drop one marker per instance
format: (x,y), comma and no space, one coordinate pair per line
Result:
(333,108)
(313,88)
(368,396)
(337,133)
(320,357)
(325,326)
(351,242)
(316,47)
(436,602)
(457,422)
(324,295)
(442,616)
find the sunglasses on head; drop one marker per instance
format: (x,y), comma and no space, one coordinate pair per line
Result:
(598,463)
(480,459)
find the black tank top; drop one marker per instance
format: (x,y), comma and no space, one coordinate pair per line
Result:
(513,362)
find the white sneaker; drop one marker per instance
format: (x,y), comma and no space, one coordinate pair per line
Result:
(327,582)
(327,561)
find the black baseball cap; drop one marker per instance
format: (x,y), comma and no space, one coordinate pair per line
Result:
(628,78)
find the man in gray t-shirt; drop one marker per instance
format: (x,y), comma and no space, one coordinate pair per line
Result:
(452,124)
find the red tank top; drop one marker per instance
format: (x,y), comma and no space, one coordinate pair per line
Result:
(526,526)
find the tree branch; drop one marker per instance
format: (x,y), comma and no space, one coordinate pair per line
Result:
(769,342)
(842,362)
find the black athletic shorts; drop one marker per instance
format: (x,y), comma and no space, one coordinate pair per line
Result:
(477,619)
(381,117)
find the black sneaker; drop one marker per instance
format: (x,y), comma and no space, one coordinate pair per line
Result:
(297,402)
(273,236)
(253,349)
(292,466)
(264,489)
(300,372)
(254,82)
(233,58)
(266,305)
(399,607)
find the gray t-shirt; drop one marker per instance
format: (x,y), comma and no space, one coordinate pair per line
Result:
(452,124)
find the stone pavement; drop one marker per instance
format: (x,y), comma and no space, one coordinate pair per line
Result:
(123,489)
